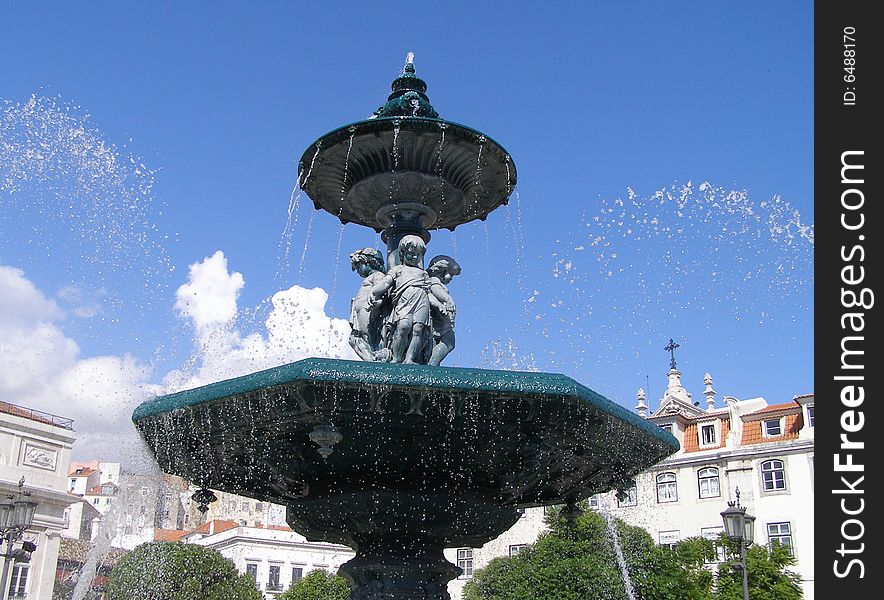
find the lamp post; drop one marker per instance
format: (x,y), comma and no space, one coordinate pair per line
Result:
(16,516)
(740,528)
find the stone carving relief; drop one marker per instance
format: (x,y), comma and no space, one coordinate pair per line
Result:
(41,458)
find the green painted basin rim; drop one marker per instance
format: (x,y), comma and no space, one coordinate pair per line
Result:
(343,133)
(440,379)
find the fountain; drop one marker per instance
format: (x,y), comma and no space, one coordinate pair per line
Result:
(396,456)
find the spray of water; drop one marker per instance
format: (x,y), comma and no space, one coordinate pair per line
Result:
(96,217)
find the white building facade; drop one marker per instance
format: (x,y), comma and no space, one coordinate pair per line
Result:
(764,451)
(36,446)
(275,556)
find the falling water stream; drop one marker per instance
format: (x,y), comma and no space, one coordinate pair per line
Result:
(618,551)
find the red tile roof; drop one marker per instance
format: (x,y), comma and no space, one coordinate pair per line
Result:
(785,406)
(96,490)
(810,395)
(753,434)
(168,535)
(82,472)
(36,415)
(215,526)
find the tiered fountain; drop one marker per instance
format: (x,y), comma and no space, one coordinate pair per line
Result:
(396,456)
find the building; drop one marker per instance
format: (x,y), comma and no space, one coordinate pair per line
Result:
(81,520)
(35,450)
(245,511)
(72,555)
(274,555)
(766,451)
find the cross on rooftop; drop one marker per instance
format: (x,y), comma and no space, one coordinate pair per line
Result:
(671,349)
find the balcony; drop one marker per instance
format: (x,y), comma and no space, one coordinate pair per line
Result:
(273,586)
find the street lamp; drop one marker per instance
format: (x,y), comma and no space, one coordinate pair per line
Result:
(740,528)
(16,516)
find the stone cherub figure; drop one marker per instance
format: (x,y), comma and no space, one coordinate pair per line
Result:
(442,312)
(408,286)
(366,320)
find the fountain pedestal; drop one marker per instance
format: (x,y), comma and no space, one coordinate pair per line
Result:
(399,549)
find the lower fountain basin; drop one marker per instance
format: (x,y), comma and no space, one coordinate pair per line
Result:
(400,461)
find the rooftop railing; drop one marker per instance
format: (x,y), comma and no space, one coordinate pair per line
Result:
(36,415)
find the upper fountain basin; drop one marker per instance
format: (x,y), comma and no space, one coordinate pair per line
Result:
(358,169)
(507,437)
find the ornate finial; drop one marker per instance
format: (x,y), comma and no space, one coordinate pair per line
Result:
(671,349)
(325,436)
(709,392)
(203,498)
(641,407)
(409,98)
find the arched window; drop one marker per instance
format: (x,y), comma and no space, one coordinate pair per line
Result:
(709,482)
(773,475)
(666,488)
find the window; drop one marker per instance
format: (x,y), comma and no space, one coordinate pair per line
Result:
(709,482)
(465,561)
(773,428)
(259,507)
(141,520)
(773,475)
(517,548)
(810,415)
(252,569)
(106,501)
(144,491)
(18,583)
(245,506)
(667,490)
(297,573)
(273,578)
(667,427)
(707,435)
(713,534)
(95,501)
(73,484)
(669,539)
(627,497)
(594,501)
(780,533)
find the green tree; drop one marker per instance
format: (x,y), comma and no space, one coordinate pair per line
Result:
(679,573)
(581,563)
(566,563)
(176,571)
(769,578)
(318,585)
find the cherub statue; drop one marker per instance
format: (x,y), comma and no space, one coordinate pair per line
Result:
(408,286)
(441,270)
(365,318)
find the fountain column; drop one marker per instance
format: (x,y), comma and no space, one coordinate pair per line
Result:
(401,219)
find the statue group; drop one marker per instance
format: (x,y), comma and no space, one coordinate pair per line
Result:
(404,314)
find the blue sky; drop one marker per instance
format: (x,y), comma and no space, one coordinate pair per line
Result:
(664,156)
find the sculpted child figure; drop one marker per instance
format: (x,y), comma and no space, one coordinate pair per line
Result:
(441,270)
(365,316)
(408,286)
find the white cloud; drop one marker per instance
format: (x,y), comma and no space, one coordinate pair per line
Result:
(296,328)
(209,297)
(42,368)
